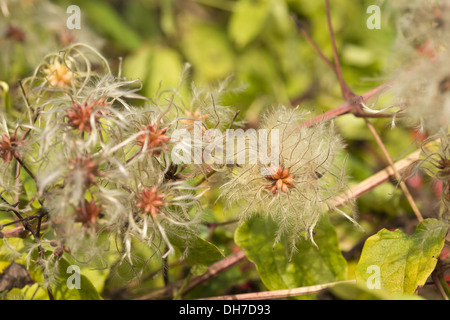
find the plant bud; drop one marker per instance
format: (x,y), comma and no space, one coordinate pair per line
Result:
(58,252)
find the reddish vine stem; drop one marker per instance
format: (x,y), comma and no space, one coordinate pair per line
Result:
(436,277)
(352,104)
(355,107)
(346,108)
(308,38)
(280,294)
(346,91)
(212,272)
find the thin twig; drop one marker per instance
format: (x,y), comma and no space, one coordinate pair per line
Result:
(205,178)
(218,224)
(234,119)
(397,175)
(376,179)
(150,275)
(346,91)
(279,294)
(25,168)
(438,284)
(308,38)
(212,272)
(165,270)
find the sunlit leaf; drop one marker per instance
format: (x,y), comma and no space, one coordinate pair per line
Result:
(248,20)
(404,261)
(197,250)
(107,21)
(209,51)
(351,291)
(165,68)
(61,290)
(310,265)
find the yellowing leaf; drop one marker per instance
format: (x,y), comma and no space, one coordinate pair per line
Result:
(209,51)
(61,290)
(166,69)
(352,291)
(404,261)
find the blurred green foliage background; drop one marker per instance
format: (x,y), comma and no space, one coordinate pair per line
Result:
(256,42)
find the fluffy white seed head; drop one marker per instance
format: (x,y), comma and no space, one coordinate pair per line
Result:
(300,189)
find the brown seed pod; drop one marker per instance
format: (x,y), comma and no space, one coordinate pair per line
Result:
(153,137)
(150,201)
(58,252)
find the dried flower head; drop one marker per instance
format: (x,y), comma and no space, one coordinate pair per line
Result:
(435,162)
(15,33)
(194,119)
(85,169)
(153,138)
(58,74)
(8,147)
(81,116)
(35,26)
(88,213)
(424,91)
(423,27)
(280,180)
(300,189)
(150,201)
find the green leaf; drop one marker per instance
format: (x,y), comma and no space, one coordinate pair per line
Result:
(166,69)
(208,49)
(135,64)
(199,269)
(248,20)
(167,18)
(404,261)
(145,260)
(310,265)
(353,291)
(280,12)
(107,21)
(197,251)
(6,253)
(61,291)
(358,56)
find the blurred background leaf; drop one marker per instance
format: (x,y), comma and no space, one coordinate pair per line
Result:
(257,42)
(281,269)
